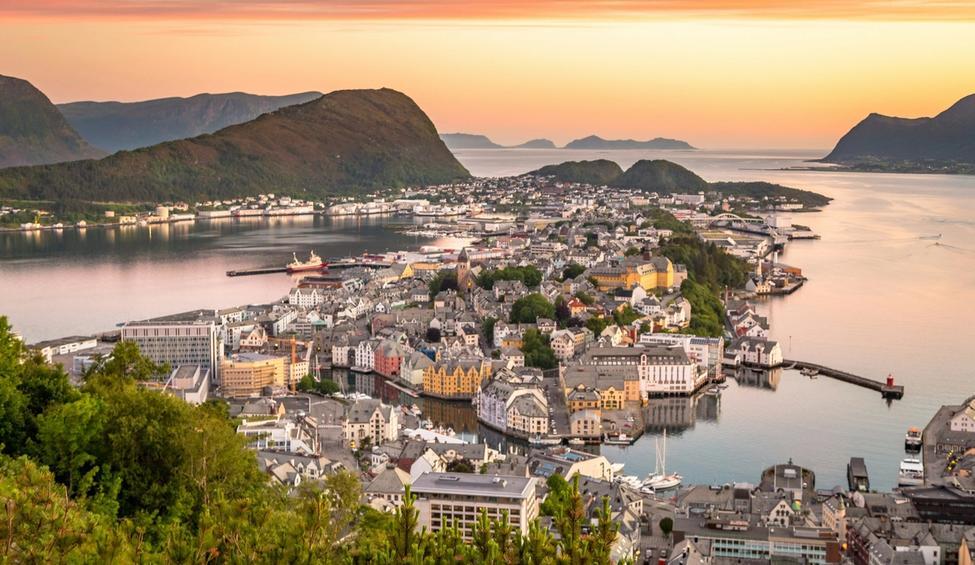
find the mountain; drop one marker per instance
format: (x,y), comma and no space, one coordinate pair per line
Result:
(660,176)
(468,141)
(596,142)
(760,189)
(343,141)
(32,131)
(597,172)
(885,141)
(536,144)
(113,126)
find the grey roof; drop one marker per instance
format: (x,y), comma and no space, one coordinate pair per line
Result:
(471,484)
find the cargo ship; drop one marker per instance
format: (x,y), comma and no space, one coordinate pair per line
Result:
(314,263)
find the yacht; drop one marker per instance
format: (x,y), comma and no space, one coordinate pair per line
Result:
(911,473)
(659,479)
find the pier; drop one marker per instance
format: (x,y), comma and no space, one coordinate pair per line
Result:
(263,271)
(886,389)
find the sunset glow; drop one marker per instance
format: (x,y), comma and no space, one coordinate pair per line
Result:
(717,74)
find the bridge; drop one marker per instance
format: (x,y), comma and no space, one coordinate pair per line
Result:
(736,219)
(886,389)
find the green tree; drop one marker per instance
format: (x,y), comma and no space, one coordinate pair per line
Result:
(666,525)
(445,279)
(537,350)
(527,309)
(572,270)
(487,328)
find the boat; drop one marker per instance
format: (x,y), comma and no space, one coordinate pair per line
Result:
(360,369)
(911,473)
(659,479)
(856,475)
(912,440)
(314,263)
(809,372)
(620,439)
(631,481)
(542,440)
(577,441)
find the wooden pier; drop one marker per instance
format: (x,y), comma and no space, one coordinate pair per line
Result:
(887,390)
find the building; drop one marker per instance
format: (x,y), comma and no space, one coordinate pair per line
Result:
(370,419)
(246,374)
(657,272)
(661,370)
(64,346)
(191,383)
(759,352)
(457,499)
(733,537)
(456,379)
(191,338)
(707,352)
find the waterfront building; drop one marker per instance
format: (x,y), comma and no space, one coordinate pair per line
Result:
(455,378)
(190,338)
(247,374)
(458,499)
(707,352)
(615,385)
(661,370)
(511,404)
(412,368)
(586,424)
(388,358)
(370,419)
(759,352)
(64,346)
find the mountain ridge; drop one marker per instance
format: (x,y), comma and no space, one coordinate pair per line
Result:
(346,140)
(33,131)
(115,126)
(596,142)
(890,142)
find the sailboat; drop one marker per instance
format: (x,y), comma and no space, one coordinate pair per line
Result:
(659,479)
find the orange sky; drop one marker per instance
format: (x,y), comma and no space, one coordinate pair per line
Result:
(717,74)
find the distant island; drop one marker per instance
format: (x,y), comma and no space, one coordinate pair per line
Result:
(456,141)
(666,177)
(114,126)
(596,142)
(477,141)
(342,142)
(33,132)
(942,144)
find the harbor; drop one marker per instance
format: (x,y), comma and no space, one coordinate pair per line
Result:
(888,389)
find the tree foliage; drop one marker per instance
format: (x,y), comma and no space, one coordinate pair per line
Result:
(529,275)
(528,309)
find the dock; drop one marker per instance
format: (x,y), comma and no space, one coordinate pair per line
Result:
(886,389)
(263,271)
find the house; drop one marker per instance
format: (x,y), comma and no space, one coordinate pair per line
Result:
(514,357)
(389,486)
(370,419)
(759,352)
(585,424)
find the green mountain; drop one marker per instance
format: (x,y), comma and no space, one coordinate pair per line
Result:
(468,141)
(536,144)
(114,126)
(947,139)
(761,189)
(597,172)
(341,142)
(32,131)
(660,176)
(596,142)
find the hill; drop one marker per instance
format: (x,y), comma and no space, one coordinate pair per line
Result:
(597,172)
(660,176)
(343,141)
(32,131)
(114,126)
(596,142)
(760,189)
(885,142)
(468,141)
(536,144)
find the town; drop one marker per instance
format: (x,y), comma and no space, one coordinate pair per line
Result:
(569,316)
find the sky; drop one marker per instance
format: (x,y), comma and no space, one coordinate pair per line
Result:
(739,74)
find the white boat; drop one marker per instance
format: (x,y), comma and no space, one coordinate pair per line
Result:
(659,479)
(631,481)
(577,441)
(911,473)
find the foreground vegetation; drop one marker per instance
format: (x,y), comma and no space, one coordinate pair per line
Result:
(114,472)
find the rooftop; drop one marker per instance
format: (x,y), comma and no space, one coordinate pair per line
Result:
(470,484)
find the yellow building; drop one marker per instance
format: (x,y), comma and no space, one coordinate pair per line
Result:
(247,373)
(658,272)
(457,379)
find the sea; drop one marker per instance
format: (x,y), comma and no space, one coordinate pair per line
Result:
(891,291)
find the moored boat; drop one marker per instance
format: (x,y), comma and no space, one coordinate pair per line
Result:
(911,473)
(314,263)
(912,439)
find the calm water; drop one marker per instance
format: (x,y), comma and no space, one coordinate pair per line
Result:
(881,299)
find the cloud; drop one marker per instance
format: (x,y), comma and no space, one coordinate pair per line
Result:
(459,10)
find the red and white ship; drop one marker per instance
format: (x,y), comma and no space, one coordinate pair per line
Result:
(314,263)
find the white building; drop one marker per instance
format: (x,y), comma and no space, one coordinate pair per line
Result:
(759,352)
(64,346)
(370,419)
(662,370)
(457,499)
(192,338)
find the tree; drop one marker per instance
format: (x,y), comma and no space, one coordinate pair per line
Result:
(625,315)
(666,525)
(527,309)
(529,275)
(487,328)
(460,466)
(537,350)
(597,325)
(125,364)
(631,251)
(444,280)
(572,270)
(562,311)
(433,335)
(585,298)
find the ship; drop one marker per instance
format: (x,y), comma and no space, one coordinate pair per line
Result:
(314,263)
(912,440)
(659,479)
(911,473)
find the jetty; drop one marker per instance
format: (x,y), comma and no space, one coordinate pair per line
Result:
(263,271)
(887,388)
